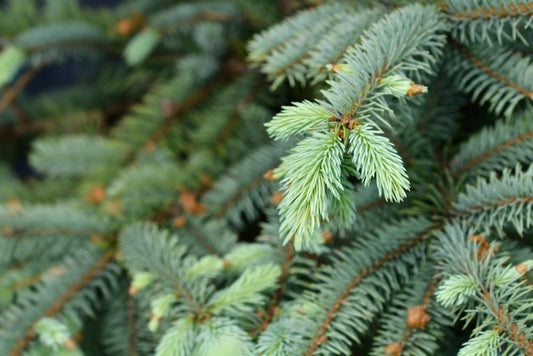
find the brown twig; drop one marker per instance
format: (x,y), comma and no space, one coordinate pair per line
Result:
(133,325)
(485,68)
(510,328)
(58,304)
(276,297)
(19,85)
(372,205)
(492,152)
(319,337)
(484,12)
(502,202)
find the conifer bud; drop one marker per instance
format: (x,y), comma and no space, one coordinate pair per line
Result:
(113,208)
(128,26)
(338,67)
(269,175)
(416,89)
(417,318)
(277,198)
(14,206)
(327,236)
(483,246)
(394,349)
(400,86)
(206,181)
(524,267)
(169,108)
(160,306)
(179,221)
(352,124)
(70,344)
(55,271)
(190,204)
(96,195)
(140,280)
(226,264)
(150,146)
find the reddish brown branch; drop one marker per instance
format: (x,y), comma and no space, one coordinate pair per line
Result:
(510,328)
(319,337)
(235,115)
(58,304)
(133,325)
(492,152)
(499,203)
(372,205)
(189,104)
(198,236)
(241,192)
(276,297)
(19,85)
(485,68)
(485,12)
(403,151)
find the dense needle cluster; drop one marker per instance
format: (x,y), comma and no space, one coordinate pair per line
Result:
(267,178)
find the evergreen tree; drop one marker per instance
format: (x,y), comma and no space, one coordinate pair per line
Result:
(244,177)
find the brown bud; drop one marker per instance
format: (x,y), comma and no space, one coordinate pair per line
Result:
(226,264)
(124,27)
(133,290)
(206,181)
(96,195)
(70,344)
(14,206)
(323,340)
(169,108)
(78,337)
(416,89)
(521,268)
(200,209)
(97,240)
(394,349)
(327,236)
(113,208)
(417,318)
(277,198)
(150,146)
(7,231)
(483,248)
(56,271)
(335,68)
(155,317)
(260,314)
(119,256)
(190,204)
(127,26)
(269,175)
(179,221)
(352,124)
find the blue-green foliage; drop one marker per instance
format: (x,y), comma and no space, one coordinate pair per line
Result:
(158,218)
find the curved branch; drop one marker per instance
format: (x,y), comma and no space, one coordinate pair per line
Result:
(492,152)
(56,307)
(491,72)
(319,337)
(485,12)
